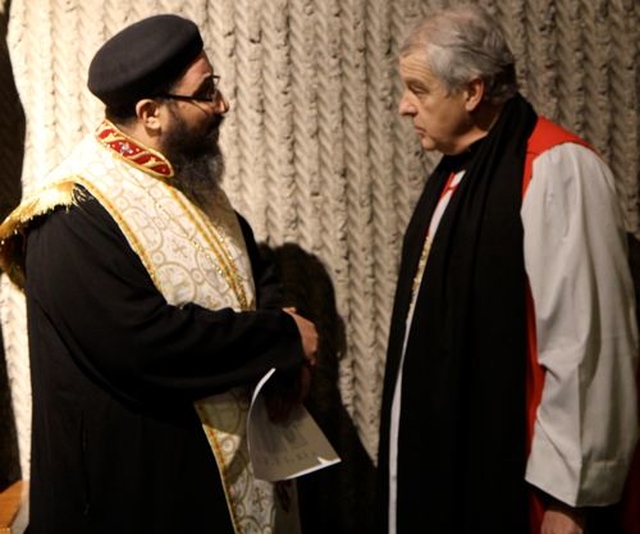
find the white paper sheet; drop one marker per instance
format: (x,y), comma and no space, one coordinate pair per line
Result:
(283,451)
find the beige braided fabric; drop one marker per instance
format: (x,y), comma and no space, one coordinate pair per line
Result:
(13,319)
(316,153)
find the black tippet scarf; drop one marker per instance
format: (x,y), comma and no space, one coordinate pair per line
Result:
(462,449)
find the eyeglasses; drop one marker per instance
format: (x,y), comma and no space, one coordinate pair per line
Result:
(209,93)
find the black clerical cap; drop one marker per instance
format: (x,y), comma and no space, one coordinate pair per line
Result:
(142,58)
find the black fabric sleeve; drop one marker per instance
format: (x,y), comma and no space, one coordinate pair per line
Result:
(92,293)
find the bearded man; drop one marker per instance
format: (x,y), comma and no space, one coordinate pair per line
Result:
(150,312)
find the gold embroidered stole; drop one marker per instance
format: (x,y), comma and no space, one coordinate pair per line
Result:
(191,258)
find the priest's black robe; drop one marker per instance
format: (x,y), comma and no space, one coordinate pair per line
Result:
(117,444)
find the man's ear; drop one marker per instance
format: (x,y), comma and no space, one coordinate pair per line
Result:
(474,93)
(148,113)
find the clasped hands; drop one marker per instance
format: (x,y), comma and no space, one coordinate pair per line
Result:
(291,388)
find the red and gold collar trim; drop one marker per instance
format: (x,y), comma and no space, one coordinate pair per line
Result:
(145,159)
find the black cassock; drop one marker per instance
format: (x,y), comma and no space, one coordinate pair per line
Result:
(117,444)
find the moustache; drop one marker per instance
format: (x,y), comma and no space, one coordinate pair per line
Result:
(217,122)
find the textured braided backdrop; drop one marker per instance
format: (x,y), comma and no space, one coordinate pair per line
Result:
(318,159)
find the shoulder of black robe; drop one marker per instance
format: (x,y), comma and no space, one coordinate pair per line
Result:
(463,381)
(266,274)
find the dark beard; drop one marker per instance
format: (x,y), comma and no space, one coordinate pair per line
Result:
(196,159)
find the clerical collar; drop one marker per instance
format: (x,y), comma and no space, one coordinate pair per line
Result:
(133,152)
(459,162)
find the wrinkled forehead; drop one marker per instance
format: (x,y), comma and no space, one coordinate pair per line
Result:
(414,67)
